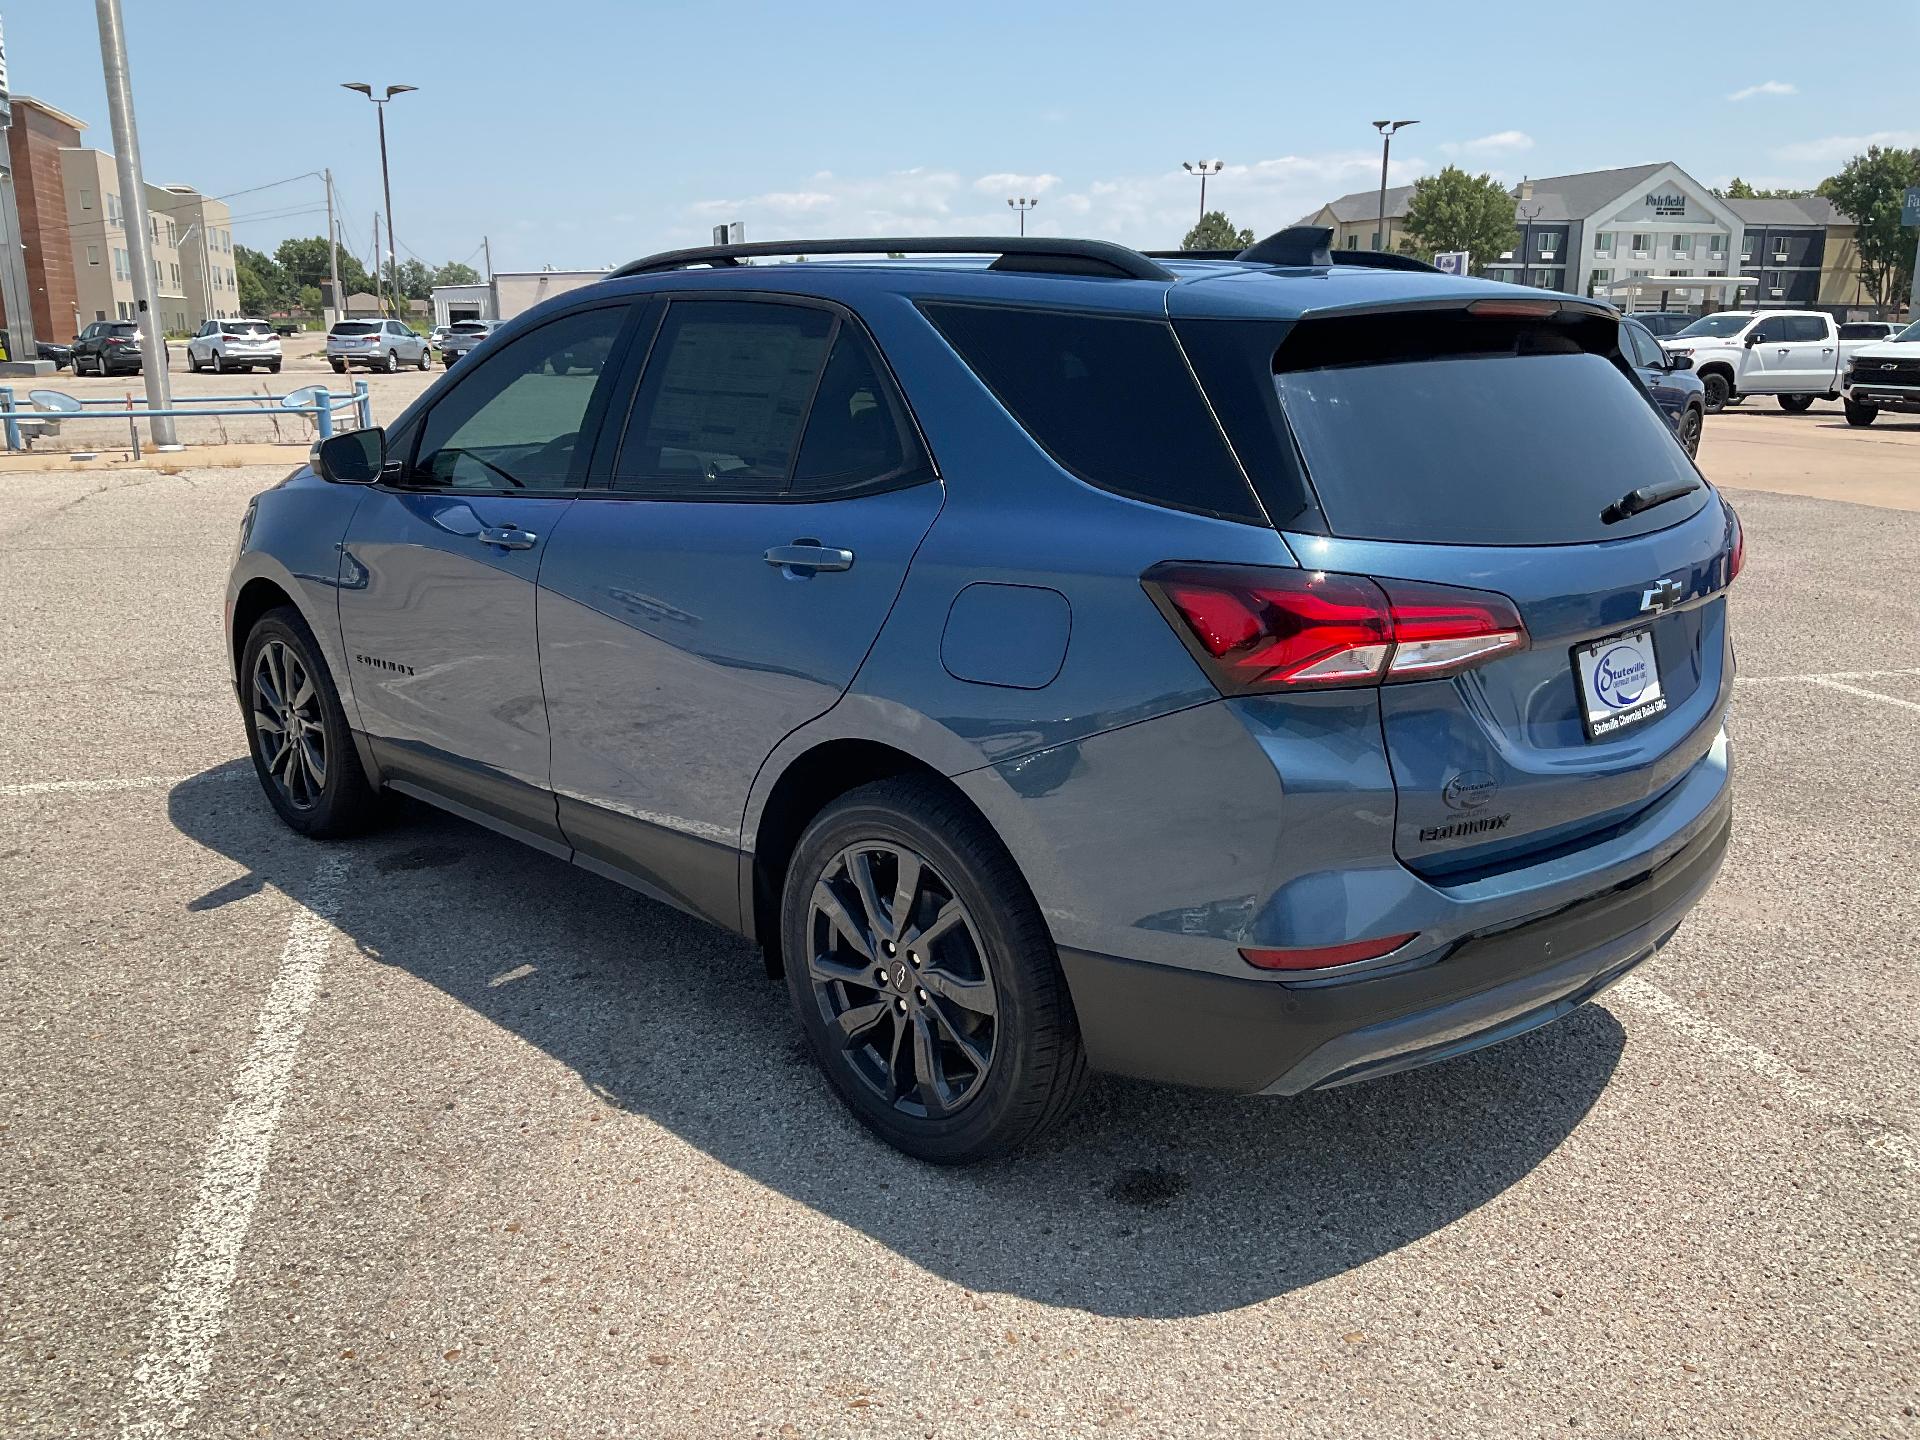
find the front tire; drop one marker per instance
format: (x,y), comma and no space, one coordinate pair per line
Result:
(1795,404)
(1858,414)
(193,362)
(297,733)
(924,978)
(1719,391)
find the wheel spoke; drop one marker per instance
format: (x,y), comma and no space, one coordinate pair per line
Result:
(856,1022)
(830,905)
(265,721)
(964,1043)
(315,763)
(926,1067)
(275,670)
(906,890)
(303,691)
(894,1086)
(974,995)
(827,969)
(860,867)
(951,914)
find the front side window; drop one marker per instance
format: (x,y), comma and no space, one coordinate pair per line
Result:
(720,409)
(523,418)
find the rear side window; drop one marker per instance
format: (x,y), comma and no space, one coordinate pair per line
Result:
(1109,397)
(1861,330)
(1801,328)
(1452,429)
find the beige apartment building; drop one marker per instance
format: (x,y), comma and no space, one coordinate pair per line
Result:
(191,239)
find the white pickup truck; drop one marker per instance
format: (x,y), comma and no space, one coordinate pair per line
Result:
(1794,355)
(1883,375)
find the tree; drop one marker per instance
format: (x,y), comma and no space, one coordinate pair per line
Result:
(416,281)
(1868,191)
(305,263)
(262,282)
(1216,232)
(454,273)
(1738,189)
(308,297)
(1457,211)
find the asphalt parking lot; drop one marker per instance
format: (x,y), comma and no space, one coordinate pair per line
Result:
(429,1134)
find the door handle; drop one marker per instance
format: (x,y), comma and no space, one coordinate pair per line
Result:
(508,537)
(807,556)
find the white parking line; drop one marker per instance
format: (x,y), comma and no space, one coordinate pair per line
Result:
(192,1307)
(1826,683)
(91,787)
(1827,675)
(1644,995)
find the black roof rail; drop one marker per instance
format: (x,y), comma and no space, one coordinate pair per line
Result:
(1043,253)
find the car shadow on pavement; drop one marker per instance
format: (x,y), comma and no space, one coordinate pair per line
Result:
(1149,1202)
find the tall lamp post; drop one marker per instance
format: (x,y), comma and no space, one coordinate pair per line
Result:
(1022,204)
(1527,217)
(386,185)
(1387,129)
(1203,168)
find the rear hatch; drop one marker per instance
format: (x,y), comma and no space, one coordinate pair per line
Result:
(1490,448)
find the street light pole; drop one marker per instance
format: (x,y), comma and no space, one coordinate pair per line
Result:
(1203,168)
(386,185)
(133,195)
(1022,204)
(1387,129)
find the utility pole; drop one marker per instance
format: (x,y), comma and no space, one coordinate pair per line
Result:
(133,202)
(333,254)
(1387,129)
(487,247)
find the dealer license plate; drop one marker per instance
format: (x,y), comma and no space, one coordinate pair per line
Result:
(1619,684)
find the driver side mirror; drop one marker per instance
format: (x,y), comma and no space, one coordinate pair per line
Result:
(354,458)
(1677,362)
(1757,337)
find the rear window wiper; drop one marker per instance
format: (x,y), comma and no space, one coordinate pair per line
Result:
(1636,502)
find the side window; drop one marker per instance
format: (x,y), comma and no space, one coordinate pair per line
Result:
(720,408)
(1645,352)
(854,434)
(524,418)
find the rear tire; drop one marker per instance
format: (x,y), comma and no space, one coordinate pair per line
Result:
(339,366)
(1690,427)
(1858,414)
(273,367)
(219,365)
(393,362)
(1795,404)
(314,780)
(972,1052)
(1719,391)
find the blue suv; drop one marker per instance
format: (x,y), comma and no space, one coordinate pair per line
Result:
(1261,672)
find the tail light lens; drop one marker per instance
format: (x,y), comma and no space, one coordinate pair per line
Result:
(1319,957)
(1737,557)
(1255,629)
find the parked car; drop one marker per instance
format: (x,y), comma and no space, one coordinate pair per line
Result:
(376,344)
(439,334)
(462,336)
(1870,330)
(1884,376)
(285,327)
(1675,389)
(234,345)
(60,355)
(1797,356)
(1664,322)
(110,347)
(1071,662)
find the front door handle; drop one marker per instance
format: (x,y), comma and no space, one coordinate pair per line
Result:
(807,556)
(508,537)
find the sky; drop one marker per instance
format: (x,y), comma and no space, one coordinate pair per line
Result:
(577,135)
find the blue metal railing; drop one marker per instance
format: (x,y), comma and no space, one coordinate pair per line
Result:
(323,405)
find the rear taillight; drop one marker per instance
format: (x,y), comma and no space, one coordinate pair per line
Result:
(1737,557)
(1256,629)
(1319,957)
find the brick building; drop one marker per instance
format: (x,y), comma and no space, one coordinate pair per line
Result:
(34,141)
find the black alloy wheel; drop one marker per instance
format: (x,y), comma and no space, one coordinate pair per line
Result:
(1718,392)
(1690,426)
(1795,404)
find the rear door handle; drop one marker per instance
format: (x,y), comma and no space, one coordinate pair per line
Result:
(508,537)
(810,555)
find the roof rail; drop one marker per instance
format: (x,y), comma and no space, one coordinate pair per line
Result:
(1297,246)
(1046,254)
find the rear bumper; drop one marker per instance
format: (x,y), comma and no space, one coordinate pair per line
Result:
(1180,1026)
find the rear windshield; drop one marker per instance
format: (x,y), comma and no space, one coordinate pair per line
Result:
(127,329)
(1474,432)
(245,327)
(1108,397)
(356,327)
(469,327)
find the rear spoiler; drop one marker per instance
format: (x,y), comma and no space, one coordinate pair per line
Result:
(1301,245)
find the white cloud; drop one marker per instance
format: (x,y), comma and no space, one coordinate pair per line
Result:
(1501,142)
(1838,149)
(1152,210)
(1765,87)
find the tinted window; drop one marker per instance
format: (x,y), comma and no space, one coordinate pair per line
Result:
(1864,330)
(523,417)
(1642,349)
(128,329)
(1806,327)
(1108,397)
(1718,327)
(356,327)
(723,399)
(853,434)
(1488,449)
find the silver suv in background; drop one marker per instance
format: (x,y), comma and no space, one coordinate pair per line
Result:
(376,344)
(462,336)
(222,345)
